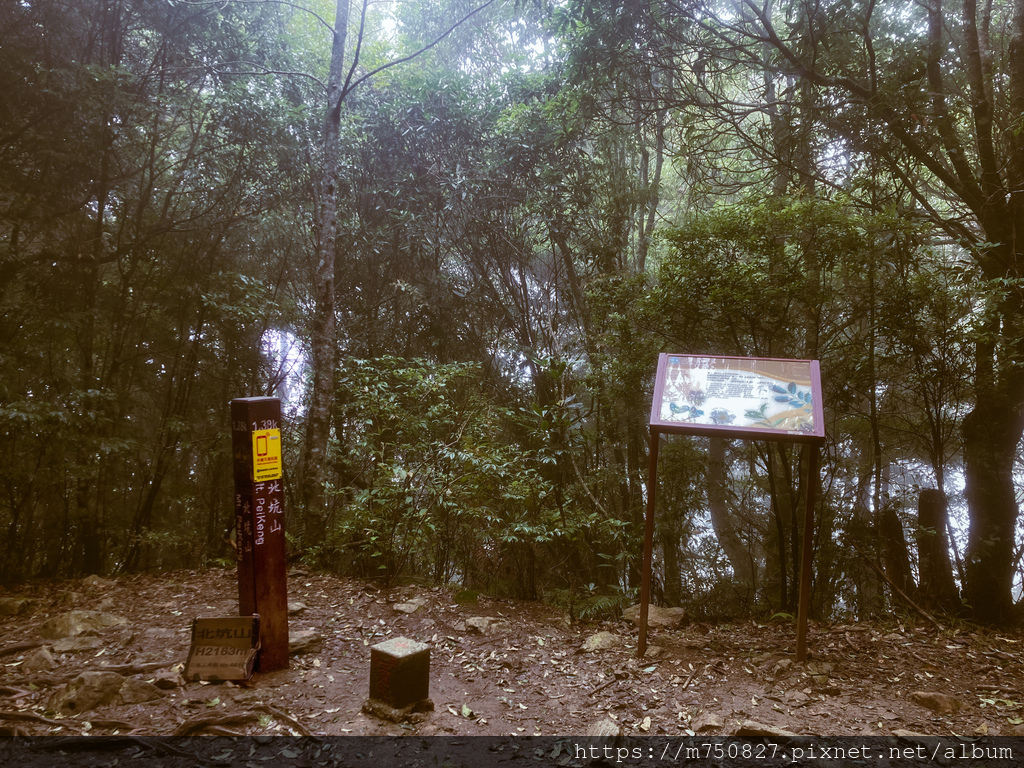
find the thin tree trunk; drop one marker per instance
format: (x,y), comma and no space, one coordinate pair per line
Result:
(722,519)
(780,530)
(323,335)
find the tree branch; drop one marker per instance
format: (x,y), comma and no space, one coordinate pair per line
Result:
(421,51)
(220,3)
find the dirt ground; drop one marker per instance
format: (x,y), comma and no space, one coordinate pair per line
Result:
(528,678)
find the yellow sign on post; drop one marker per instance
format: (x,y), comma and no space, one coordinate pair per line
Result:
(266,455)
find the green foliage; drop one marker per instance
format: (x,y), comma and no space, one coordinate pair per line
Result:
(592,603)
(434,487)
(132,303)
(430,489)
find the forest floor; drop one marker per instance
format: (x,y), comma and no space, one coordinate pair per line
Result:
(529,677)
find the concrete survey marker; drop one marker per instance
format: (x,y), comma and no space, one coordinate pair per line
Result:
(399,679)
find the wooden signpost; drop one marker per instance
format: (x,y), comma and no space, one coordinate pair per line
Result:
(259,522)
(737,397)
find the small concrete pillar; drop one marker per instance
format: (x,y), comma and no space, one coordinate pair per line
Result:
(399,679)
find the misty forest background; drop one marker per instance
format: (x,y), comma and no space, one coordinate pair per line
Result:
(454,240)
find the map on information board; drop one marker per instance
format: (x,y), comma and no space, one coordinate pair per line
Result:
(744,395)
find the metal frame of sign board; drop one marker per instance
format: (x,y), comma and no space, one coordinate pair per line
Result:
(704,404)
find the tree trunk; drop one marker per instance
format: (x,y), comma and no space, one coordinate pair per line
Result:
(937,587)
(722,519)
(992,433)
(896,555)
(780,533)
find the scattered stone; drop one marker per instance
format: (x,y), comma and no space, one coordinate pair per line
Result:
(606,728)
(40,660)
(407,607)
(487,625)
(296,608)
(16,606)
(751,729)
(783,666)
(657,617)
(602,641)
(818,671)
(166,679)
(707,721)
(87,691)
(936,702)
(74,623)
(106,604)
(814,668)
(304,641)
(498,627)
(97,581)
(135,691)
(77,644)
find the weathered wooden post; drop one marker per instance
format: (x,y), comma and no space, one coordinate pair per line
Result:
(259,522)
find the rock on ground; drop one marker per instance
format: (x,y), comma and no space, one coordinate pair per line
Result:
(937,702)
(15,606)
(605,728)
(135,691)
(74,623)
(87,691)
(304,641)
(39,660)
(657,617)
(487,625)
(601,641)
(168,678)
(77,644)
(708,721)
(751,729)
(410,607)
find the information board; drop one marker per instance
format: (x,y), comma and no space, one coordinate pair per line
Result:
(749,397)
